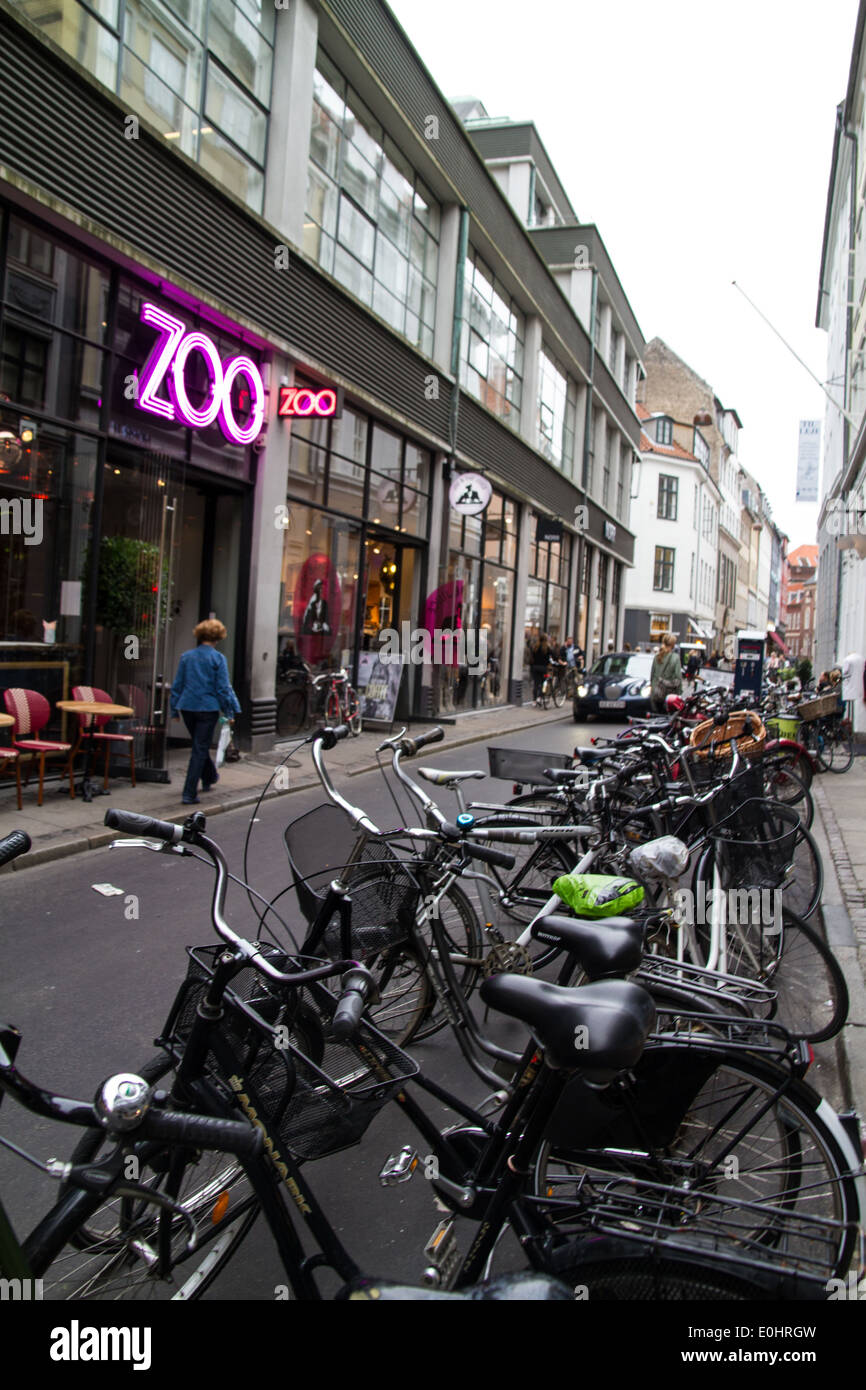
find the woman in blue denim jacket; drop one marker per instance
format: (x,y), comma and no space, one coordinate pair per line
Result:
(199,691)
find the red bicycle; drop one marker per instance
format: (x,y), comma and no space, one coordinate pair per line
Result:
(341,702)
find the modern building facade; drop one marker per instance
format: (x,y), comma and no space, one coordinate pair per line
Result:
(248,344)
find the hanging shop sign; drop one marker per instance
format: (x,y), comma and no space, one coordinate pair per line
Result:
(469,493)
(166,366)
(547,530)
(304,401)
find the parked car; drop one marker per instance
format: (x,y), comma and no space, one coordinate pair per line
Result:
(616,686)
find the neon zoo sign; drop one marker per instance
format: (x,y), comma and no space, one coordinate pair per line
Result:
(167,363)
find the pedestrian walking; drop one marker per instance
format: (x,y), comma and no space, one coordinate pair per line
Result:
(200,690)
(666,674)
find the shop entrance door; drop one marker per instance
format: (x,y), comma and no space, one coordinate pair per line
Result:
(168,556)
(391,595)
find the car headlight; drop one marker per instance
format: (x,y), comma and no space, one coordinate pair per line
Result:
(646,689)
(581,691)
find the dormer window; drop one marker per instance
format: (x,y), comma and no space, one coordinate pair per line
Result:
(664,430)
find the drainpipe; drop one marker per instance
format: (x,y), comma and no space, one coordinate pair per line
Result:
(457,330)
(849,333)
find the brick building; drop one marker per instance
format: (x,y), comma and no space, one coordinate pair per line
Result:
(799,589)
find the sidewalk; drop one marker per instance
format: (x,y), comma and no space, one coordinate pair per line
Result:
(840,832)
(62,826)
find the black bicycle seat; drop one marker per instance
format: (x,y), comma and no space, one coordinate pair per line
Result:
(613,946)
(599,1029)
(508,1288)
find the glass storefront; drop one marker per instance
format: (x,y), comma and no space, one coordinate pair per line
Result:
(477,594)
(547,593)
(354,545)
(139,516)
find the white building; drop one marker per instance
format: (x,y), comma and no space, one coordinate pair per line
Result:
(675,517)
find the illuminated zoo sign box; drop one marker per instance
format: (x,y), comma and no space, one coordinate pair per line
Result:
(302,400)
(167,365)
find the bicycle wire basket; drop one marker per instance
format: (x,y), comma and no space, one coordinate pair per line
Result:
(315,1095)
(322,845)
(758,847)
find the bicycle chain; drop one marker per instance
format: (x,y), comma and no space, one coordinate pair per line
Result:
(507,957)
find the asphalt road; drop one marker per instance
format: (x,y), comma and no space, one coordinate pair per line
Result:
(90,989)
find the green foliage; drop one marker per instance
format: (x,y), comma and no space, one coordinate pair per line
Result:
(804,670)
(126,585)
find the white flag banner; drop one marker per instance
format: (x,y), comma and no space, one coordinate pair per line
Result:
(808,460)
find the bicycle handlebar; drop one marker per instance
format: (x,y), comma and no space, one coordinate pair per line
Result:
(132,823)
(410,746)
(237,1137)
(15,843)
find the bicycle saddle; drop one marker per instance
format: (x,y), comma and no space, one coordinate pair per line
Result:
(613,946)
(444,779)
(508,1288)
(599,1029)
(589,756)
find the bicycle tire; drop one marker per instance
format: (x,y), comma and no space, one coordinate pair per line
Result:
(691,1112)
(559,693)
(353,711)
(291,713)
(529,884)
(406,993)
(333,713)
(459,922)
(781,783)
(814,737)
(840,747)
(623,1273)
(796,759)
(88,1247)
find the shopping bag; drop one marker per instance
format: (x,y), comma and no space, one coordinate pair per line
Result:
(223,741)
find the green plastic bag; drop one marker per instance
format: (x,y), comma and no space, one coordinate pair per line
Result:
(598,895)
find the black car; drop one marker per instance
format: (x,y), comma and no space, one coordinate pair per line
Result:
(616,686)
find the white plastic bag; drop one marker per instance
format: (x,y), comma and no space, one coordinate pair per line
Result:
(224,740)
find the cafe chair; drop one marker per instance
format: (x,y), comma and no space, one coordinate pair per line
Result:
(31,712)
(9,759)
(136,699)
(97,722)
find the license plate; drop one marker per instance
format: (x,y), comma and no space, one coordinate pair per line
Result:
(611,704)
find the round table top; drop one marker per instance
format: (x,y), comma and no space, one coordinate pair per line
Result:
(6,720)
(95,707)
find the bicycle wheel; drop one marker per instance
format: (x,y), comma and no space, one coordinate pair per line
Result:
(795,759)
(839,746)
(291,713)
(814,737)
(781,783)
(559,692)
(406,993)
(720,1151)
(464,943)
(352,710)
(812,996)
(616,1271)
(91,1248)
(526,888)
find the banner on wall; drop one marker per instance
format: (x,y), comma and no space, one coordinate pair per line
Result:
(808,460)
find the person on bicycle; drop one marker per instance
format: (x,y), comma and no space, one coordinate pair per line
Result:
(199,691)
(567,652)
(542,655)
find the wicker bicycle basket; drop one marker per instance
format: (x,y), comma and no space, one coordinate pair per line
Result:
(322,846)
(713,741)
(819,708)
(314,1095)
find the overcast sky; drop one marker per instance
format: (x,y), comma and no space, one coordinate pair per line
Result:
(698,137)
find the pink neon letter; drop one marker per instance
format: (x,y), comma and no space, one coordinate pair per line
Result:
(229,425)
(184,409)
(327,401)
(155,367)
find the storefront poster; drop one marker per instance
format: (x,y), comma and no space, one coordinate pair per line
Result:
(378,687)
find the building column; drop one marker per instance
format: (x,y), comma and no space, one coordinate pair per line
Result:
(266,558)
(521,580)
(437,560)
(529,399)
(608,607)
(591,604)
(297,32)
(446,284)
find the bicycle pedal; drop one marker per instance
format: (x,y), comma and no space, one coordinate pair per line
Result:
(399,1167)
(442,1254)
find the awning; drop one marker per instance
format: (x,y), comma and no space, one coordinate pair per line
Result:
(778,641)
(699,630)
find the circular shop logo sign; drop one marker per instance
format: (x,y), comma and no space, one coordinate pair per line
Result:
(469,493)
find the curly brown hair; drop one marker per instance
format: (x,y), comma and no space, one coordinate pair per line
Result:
(211,630)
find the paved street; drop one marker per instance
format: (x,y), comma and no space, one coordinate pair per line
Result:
(90,990)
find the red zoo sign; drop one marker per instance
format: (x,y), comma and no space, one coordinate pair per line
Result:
(301,400)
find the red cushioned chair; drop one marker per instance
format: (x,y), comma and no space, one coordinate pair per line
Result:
(98,721)
(31,712)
